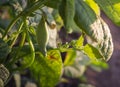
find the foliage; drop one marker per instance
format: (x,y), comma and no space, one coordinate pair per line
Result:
(25,27)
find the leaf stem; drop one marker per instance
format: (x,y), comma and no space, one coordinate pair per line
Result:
(24,13)
(18,50)
(31,48)
(13,42)
(10,26)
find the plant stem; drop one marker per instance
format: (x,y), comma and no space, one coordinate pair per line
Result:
(28,37)
(31,48)
(37,5)
(18,50)
(24,13)
(10,26)
(13,42)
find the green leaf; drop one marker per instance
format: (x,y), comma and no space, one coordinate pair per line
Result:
(47,70)
(99,65)
(67,12)
(111,9)
(106,46)
(27,56)
(97,30)
(104,42)
(79,42)
(94,6)
(77,68)
(70,57)
(53,3)
(92,52)
(85,18)
(4,50)
(32,30)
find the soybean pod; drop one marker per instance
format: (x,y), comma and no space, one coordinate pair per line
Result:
(42,35)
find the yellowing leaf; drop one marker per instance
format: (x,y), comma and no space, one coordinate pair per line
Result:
(47,70)
(92,52)
(79,42)
(70,57)
(111,9)
(94,6)
(95,28)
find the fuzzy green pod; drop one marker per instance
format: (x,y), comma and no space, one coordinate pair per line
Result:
(42,35)
(28,54)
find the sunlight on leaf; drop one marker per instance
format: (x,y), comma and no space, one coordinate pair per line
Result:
(111,9)
(70,57)
(94,6)
(47,70)
(78,66)
(26,56)
(99,65)
(79,42)
(92,52)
